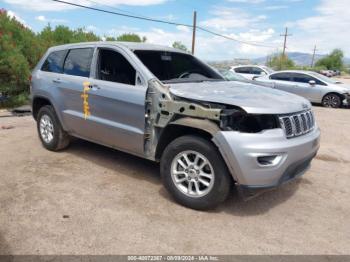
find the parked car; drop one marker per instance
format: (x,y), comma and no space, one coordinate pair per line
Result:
(327,73)
(251,71)
(311,85)
(231,76)
(166,105)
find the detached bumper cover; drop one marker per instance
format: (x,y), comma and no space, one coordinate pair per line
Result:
(241,152)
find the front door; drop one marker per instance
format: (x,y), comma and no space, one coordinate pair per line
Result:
(116,100)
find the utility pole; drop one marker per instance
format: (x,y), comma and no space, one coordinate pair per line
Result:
(194,31)
(313,56)
(285,35)
(285,41)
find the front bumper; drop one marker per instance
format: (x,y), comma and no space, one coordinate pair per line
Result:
(346,101)
(243,152)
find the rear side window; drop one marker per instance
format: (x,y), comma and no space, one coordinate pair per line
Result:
(54,61)
(243,70)
(281,76)
(78,62)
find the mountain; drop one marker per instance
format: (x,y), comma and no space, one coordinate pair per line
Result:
(302,59)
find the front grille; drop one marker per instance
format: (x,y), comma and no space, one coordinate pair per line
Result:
(297,124)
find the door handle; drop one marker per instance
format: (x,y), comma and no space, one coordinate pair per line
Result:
(94,87)
(57,80)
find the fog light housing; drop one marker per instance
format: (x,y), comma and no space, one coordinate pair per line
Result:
(269,160)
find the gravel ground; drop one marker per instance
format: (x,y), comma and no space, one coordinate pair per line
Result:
(91,199)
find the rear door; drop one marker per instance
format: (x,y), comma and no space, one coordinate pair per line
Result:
(76,73)
(116,99)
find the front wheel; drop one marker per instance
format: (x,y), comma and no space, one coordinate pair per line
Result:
(194,173)
(332,100)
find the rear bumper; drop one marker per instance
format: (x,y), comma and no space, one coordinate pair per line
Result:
(243,152)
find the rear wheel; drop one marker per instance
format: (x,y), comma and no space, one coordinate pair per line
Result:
(50,131)
(331,100)
(194,173)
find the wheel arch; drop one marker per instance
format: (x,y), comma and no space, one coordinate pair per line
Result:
(185,126)
(37,103)
(40,101)
(342,97)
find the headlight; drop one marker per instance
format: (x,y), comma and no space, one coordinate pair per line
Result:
(250,123)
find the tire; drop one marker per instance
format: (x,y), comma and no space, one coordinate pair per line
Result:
(206,195)
(332,100)
(50,131)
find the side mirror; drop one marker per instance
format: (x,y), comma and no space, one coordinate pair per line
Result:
(312,82)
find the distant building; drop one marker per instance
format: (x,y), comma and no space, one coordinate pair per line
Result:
(242,61)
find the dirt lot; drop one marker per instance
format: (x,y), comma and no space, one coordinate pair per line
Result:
(90,199)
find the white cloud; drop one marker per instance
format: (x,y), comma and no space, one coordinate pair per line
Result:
(42,18)
(48,5)
(207,45)
(275,7)
(12,14)
(185,29)
(230,18)
(92,28)
(247,1)
(327,28)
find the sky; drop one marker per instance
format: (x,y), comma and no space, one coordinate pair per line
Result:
(324,23)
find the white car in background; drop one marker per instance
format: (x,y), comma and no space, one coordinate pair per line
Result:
(310,85)
(251,71)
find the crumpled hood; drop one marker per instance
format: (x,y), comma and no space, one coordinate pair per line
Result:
(251,98)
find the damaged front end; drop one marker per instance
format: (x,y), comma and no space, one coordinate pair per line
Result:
(163,108)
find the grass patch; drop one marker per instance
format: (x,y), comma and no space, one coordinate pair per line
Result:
(15,101)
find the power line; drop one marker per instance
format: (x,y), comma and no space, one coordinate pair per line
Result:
(163,22)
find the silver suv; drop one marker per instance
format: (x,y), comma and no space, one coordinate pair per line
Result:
(165,105)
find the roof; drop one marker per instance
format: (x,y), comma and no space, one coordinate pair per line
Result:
(294,71)
(248,65)
(129,45)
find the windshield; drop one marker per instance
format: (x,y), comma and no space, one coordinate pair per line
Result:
(173,67)
(268,69)
(229,75)
(324,78)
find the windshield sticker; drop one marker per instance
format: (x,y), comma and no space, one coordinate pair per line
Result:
(85,97)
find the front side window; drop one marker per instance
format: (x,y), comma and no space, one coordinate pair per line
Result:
(281,77)
(78,62)
(303,78)
(114,67)
(174,67)
(243,70)
(257,71)
(54,61)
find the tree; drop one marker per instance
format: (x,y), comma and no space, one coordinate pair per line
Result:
(333,61)
(131,37)
(281,62)
(18,52)
(181,46)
